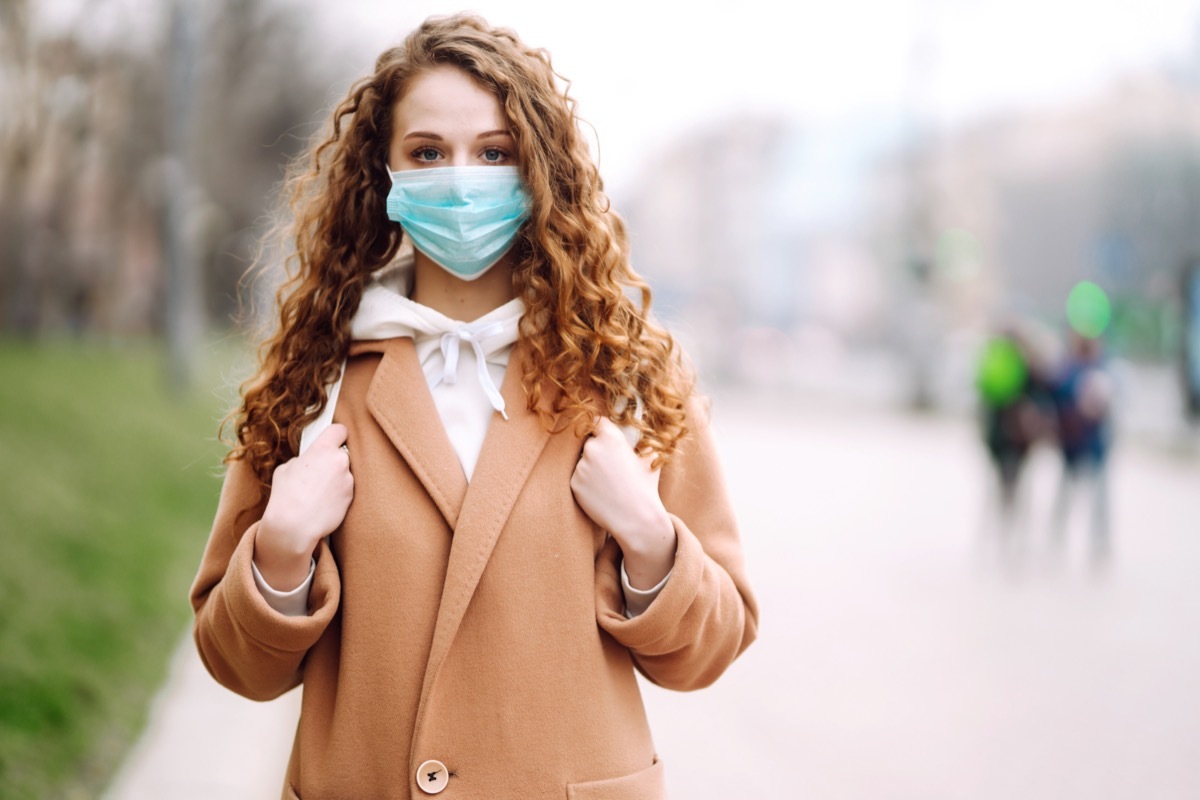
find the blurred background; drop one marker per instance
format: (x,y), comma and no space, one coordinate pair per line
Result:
(938,262)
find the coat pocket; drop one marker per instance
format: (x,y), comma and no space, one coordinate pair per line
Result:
(648,784)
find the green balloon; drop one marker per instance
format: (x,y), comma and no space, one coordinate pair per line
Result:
(1002,372)
(1088,310)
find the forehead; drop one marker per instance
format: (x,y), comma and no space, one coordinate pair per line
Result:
(446,96)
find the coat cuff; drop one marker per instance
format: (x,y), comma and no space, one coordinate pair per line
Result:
(661,618)
(270,628)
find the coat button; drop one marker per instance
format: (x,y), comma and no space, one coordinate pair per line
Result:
(432,777)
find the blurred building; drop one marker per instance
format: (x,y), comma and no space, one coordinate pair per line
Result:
(774,242)
(1026,204)
(750,232)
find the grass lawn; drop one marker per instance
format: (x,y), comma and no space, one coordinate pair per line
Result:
(108,484)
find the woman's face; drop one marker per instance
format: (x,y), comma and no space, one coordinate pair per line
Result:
(446,119)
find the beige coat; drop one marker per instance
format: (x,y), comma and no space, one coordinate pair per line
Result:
(479,627)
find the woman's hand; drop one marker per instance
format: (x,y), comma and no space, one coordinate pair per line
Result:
(617,488)
(310,495)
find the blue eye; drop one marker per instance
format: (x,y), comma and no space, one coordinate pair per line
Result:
(494,155)
(426,154)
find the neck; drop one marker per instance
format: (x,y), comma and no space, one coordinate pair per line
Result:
(464,301)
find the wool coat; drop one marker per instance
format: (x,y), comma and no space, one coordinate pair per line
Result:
(471,640)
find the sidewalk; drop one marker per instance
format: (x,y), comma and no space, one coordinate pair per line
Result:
(203,742)
(904,652)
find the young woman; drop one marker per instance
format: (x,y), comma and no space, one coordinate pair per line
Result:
(472,490)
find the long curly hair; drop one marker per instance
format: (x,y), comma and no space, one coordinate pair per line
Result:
(589,343)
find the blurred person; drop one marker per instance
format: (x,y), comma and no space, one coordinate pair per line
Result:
(1190,352)
(434,516)
(1083,397)
(1013,410)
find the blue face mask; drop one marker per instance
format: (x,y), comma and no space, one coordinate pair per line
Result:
(463,218)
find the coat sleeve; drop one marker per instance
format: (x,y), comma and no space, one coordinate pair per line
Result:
(244,643)
(706,614)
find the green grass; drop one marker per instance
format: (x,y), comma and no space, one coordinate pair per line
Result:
(108,484)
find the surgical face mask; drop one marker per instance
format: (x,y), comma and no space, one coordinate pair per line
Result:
(463,218)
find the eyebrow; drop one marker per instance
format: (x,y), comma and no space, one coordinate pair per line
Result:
(435,137)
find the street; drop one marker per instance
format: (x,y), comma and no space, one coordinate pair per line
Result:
(907,651)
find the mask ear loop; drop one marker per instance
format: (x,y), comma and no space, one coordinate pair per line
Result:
(314,429)
(632,434)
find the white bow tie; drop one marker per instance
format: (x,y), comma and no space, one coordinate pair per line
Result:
(385,313)
(450,343)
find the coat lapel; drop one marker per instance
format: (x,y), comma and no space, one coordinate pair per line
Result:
(400,402)
(510,450)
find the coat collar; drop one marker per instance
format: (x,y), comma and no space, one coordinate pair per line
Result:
(404,408)
(510,450)
(402,405)
(399,400)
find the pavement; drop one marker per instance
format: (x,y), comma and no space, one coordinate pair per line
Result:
(908,649)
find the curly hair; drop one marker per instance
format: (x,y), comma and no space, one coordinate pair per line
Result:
(588,341)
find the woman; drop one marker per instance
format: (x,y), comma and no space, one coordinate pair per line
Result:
(432,516)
